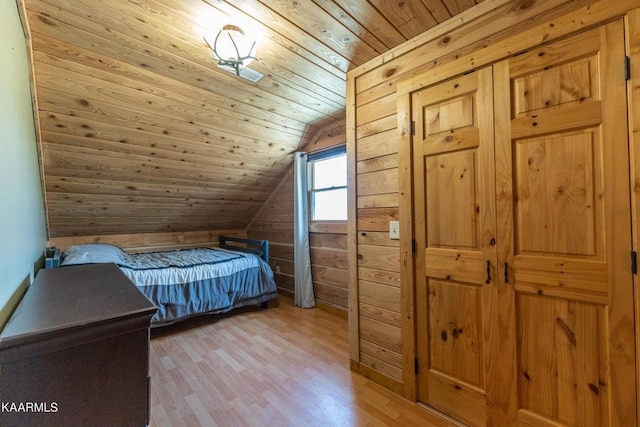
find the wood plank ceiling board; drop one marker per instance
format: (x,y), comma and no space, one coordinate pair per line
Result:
(141,132)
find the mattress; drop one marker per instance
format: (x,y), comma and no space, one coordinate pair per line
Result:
(186,282)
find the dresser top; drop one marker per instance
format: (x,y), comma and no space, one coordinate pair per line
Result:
(71,297)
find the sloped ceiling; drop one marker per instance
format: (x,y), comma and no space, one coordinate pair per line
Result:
(141,132)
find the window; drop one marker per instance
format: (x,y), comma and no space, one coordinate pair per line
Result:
(328,185)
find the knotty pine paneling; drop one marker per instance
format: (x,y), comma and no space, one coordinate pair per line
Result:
(373,135)
(379,276)
(378,163)
(376,219)
(150,241)
(392,317)
(328,248)
(380,353)
(378,126)
(336,258)
(377,145)
(130,103)
(381,296)
(381,333)
(382,107)
(377,201)
(378,182)
(379,365)
(379,257)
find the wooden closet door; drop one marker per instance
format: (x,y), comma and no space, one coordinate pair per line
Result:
(455,237)
(564,234)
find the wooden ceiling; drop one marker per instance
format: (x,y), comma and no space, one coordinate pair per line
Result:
(141,132)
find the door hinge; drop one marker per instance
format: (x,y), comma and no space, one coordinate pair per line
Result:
(634,262)
(412,127)
(415,366)
(413,246)
(627,68)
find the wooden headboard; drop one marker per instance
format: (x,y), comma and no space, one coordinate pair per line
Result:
(258,247)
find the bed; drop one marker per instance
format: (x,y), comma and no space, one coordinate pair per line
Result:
(187,282)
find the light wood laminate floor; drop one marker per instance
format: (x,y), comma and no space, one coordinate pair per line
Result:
(284,366)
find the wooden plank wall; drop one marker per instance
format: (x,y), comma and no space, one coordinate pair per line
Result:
(381,317)
(328,241)
(146,242)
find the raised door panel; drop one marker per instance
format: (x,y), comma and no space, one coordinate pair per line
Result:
(564,232)
(455,235)
(454,323)
(561,355)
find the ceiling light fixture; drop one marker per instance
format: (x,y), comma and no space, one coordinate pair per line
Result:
(232,49)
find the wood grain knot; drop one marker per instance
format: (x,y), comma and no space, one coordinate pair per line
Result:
(445,41)
(390,72)
(567,330)
(522,6)
(46,20)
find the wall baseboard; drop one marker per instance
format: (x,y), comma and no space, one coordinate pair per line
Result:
(14,300)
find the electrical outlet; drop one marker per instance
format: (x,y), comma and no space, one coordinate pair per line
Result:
(394,230)
(277,269)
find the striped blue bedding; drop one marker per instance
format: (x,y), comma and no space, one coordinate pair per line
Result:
(186,282)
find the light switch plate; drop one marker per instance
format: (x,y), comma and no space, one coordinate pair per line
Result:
(394,230)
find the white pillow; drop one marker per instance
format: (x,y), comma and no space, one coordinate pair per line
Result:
(93,253)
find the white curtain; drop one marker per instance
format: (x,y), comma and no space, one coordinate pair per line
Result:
(301,259)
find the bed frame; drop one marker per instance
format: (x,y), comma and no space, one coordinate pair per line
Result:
(253,246)
(258,247)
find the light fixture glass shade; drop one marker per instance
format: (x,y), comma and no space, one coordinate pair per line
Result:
(232,48)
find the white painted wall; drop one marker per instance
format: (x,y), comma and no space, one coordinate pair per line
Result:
(23,234)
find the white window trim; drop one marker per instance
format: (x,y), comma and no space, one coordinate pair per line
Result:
(320,225)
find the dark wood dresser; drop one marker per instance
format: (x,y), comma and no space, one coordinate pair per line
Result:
(76,351)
